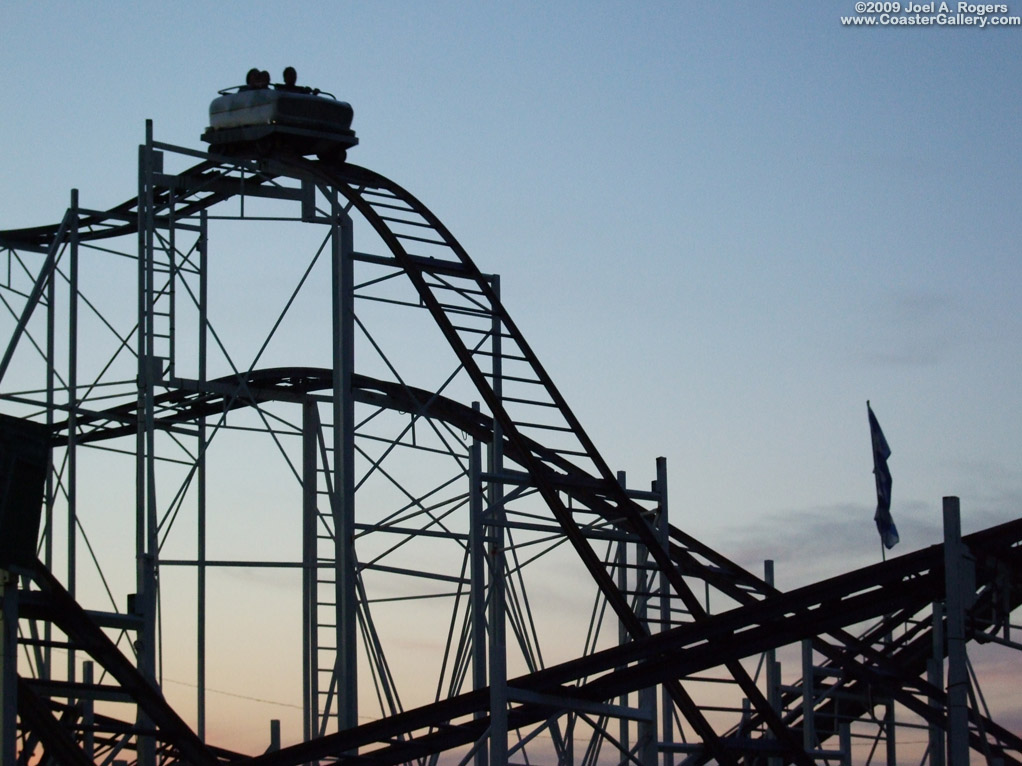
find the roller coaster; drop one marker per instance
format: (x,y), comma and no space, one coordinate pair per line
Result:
(389,487)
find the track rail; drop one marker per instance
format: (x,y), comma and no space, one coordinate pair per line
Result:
(906,584)
(538,431)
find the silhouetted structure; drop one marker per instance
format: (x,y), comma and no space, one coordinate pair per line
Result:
(435,486)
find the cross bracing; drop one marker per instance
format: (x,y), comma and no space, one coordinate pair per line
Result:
(430,485)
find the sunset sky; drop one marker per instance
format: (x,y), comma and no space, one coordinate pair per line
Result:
(723,227)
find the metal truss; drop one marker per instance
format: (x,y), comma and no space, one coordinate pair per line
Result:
(290,371)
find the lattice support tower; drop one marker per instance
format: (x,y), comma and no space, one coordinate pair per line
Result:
(419,479)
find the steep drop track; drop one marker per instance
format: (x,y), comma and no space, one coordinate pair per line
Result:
(461,299)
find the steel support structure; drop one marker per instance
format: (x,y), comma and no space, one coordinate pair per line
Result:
(173,386)
(355,434)
(8,666)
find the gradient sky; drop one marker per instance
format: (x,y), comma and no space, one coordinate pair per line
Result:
(723,227)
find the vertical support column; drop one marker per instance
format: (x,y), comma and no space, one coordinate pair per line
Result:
(145,443)
(88,713)
(955,579)
(343,505)
(8,666)
(498,661)
(170,298)
(310,432)
(845,739)
(52,480)
(569,740)
(891,724)
(44,282)
(477,575)
(310,638)
(808,697)
(72,420)
(496,518)
(773,668)
(200,574)
(664,535)
(645,728)
(623,636)
(935,675)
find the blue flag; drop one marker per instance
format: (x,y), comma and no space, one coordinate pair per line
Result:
(885,524)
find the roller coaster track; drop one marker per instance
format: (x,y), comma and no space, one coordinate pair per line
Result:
(904,585)
(535,429)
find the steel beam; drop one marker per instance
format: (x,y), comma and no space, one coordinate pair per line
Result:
(343,499)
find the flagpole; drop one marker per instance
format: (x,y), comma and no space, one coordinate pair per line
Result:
(888,538)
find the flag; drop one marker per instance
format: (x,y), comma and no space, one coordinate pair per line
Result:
(885,524)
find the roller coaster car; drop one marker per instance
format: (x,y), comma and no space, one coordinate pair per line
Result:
(259,120)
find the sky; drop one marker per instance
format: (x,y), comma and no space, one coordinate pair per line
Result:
(722,227)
